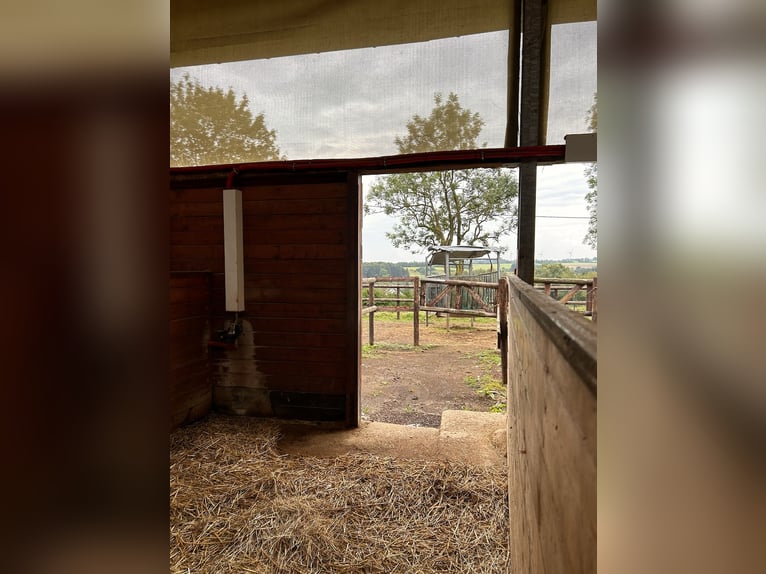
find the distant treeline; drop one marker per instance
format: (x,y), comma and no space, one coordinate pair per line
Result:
(422,262)
(384,269)
(584,267)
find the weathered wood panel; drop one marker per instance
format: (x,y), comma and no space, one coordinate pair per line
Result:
(279,237)
(296,355)
(190,389)
(551,435)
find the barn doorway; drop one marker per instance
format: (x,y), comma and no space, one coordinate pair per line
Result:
(452,364)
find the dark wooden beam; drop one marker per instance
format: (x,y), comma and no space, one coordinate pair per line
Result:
(533,52)
(525,234)
(514,63)
(533,40)
(426,161)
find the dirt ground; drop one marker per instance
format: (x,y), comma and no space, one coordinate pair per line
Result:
(410,385)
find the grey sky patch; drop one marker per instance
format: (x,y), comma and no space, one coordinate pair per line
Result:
(561,192)
(354,103)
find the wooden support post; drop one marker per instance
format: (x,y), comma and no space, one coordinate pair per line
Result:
(371,303)
(398,293)
(446,276)
(526,227)
(514,62)
(416,312)
(594,305)
(503,293)
(589,299)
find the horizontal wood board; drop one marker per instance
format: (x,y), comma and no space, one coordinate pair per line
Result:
(301,237)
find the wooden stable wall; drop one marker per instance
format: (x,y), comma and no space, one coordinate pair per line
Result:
(190,392)
(551,434)
(298,356)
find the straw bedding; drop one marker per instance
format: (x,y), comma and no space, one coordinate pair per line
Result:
(238,505)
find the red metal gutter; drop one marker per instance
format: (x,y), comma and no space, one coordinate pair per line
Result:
(493,157)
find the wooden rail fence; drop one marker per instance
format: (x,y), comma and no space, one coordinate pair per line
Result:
(456,297)
(551,286)
(427,294)
(390,284)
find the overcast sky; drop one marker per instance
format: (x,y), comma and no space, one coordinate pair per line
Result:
(354,103)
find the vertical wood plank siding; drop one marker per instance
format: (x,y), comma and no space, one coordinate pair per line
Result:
(298,354)
(551,435)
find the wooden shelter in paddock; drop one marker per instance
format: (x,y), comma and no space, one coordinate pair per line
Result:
(297,351)
(457,255)
(457,263)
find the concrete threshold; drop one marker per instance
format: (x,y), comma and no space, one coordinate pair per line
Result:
(464,436)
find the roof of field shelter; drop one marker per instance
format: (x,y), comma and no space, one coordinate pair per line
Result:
(438,253)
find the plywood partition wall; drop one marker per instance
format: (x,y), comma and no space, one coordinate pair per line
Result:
(551,434)
(298,354)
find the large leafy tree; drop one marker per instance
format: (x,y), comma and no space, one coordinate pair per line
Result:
(591,177)
(459,207)
(210,126)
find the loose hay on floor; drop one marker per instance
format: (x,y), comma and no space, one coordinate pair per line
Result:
(237,505)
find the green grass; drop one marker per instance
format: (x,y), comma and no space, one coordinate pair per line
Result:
(391,315)
(439,324)
(369,351)
(379,349)
(472,381)
(490,357)
(486,384)
(491,387)
(433,320)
